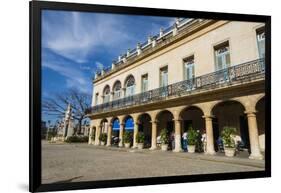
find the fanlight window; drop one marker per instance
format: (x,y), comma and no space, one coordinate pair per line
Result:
(106,94)
(130,86)
(117,90)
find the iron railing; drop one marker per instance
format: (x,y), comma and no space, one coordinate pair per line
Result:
(228,76)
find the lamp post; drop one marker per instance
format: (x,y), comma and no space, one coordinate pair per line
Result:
(48,129)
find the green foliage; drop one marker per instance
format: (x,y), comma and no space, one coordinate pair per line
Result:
(77,139)
(192,136)
(140,137)
(103,137)
(226,134)
(51,134)
(127,137)
(164,136)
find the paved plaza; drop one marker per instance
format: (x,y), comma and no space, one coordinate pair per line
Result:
(83,162)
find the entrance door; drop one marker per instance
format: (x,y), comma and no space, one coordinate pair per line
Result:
(170,128)
(216,132)
(244,132)
(187,124)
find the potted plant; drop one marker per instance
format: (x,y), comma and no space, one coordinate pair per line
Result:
(164,139)
(103,138)
(228,141)
(140,140)
(192,137)
(127,139)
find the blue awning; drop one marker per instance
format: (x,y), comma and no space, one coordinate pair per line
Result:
(116,125)
(129,124)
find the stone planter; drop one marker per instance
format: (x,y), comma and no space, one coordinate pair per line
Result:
(229,152)
(127,145)
(191,148)
(102,143)
(164,147)
(140,145)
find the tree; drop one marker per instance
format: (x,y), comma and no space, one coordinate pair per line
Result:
(79,101)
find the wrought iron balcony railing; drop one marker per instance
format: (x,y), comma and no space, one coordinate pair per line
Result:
(228,76)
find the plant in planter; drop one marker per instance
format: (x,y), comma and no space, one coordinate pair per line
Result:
(228,141)
(164,139)
(140,140)
(192,137)
(127,139)
(103,138)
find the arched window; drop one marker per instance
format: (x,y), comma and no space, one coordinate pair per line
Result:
(106,94)
(117,90)
(130,86)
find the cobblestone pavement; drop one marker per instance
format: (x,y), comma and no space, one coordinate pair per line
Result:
(83,162)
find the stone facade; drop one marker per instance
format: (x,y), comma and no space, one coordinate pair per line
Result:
(207,74)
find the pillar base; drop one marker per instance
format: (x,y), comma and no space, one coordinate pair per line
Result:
(256,156)
(210,153)
(108,145)
(153,148)
(177,150)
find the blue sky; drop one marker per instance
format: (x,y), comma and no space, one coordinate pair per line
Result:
(75,44)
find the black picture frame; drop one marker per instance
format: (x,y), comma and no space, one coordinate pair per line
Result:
(36,8)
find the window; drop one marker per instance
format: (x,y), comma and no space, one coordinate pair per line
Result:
(117,90)
(164,76)
(106,94)
(144,83)
(222,56)
(164,81)
(188,68)
(96,98)
(130,86)
(261,42)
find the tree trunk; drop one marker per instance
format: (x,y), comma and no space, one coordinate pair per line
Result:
(79,126)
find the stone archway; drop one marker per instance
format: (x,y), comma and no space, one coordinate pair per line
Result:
(231,114)
(104,126)
(165,120)
(115,131)
(192,117)
(145,126)
(260,108)
(129,126)
(92,133)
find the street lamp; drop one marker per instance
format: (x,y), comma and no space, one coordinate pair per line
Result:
(48,129)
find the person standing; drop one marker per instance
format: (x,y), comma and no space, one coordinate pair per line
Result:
(172,138)
(184,140)
(204,141)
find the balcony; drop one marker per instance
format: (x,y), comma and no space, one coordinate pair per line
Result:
(236,74)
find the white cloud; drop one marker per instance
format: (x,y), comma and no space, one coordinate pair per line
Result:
(99,65)
(79,35)
(74,77)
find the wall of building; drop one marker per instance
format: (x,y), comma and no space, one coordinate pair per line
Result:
(243,47)
(261,122)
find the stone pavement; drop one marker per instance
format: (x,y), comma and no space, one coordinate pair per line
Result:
(83,162)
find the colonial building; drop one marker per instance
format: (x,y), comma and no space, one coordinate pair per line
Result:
(203,73)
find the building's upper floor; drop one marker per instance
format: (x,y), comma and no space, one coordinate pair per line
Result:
(204,46)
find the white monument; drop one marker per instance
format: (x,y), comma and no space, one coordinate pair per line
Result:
(68,123)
